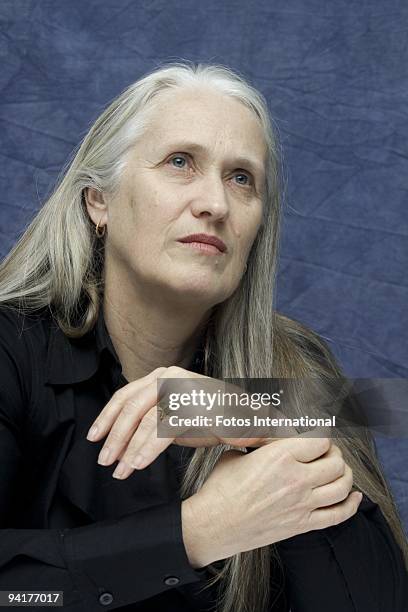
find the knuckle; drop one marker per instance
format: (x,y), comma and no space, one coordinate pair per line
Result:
(148,421)
(351,511)
(115,437)
(356,504)
(282,456)
(148,449)
(339,465)
(320,523)
(324,444)
(315,521)
(130,454)
(344,490)
(173,371)
(336,450)
(304,524)
(344,511)
(160,370)
(335,517)
(119,395)
(131,406)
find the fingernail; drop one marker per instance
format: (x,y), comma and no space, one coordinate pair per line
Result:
(120,470)
(104,456)
(92,433)
(138,462)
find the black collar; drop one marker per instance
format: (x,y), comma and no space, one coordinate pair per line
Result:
(74,360)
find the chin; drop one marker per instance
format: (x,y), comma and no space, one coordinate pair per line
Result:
(201,294)
(204,285)
(199,291)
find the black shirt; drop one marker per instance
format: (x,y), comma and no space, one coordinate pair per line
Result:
(67,525)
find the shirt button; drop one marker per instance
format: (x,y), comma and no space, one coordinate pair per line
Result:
(105,599)
(172,580)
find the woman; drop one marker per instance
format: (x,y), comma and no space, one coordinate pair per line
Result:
(155,257)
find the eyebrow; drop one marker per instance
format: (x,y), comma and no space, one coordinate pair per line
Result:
(239,161)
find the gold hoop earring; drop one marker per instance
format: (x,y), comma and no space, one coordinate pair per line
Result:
(98,231)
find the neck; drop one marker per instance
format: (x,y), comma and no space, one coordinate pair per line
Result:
(149,331)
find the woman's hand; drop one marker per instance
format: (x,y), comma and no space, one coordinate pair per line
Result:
(278,491)
(130,418)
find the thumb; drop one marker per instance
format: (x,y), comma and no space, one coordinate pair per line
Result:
(309,445)
(304,447)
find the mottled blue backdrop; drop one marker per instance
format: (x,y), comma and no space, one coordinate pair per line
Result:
(335,75)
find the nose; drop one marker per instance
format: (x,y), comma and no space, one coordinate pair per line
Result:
(211,199)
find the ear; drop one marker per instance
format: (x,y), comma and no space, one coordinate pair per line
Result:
(96,206)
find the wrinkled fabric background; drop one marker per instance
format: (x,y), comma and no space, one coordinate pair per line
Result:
(335,75)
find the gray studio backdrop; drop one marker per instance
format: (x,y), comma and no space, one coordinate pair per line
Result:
(335,75)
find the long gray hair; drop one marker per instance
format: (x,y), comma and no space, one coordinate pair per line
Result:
(59,262)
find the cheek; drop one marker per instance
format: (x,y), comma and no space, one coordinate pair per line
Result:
(149,228)
(246,233)
(155,207)
(131,228)
(144,217)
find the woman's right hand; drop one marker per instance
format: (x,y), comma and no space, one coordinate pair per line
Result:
(280,490)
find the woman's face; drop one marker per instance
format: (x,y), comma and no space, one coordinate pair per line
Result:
(198,169)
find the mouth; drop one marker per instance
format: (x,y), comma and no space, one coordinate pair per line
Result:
(205,243)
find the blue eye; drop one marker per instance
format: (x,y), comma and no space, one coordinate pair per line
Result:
(178,158)
(245,176)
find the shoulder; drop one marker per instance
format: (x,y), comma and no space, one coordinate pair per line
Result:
(23,347)
(18,329)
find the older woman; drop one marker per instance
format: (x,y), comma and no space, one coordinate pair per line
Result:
(154,258)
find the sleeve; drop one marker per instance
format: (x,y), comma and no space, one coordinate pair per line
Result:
(355,566)
(116,562)
(111,562)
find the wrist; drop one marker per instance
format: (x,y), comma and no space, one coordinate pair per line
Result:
(196,531)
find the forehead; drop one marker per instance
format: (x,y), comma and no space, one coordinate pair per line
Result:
(209,118)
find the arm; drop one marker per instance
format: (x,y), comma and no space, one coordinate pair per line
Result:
(131,557)
(355,566)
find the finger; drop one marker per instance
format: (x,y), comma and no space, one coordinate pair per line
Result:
(326,469)
(134,410)
(333,492)
(303,447)
(335,514)
(146,437)
(146,445)
(110,412)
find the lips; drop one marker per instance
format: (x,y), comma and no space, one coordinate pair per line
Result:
(206,239)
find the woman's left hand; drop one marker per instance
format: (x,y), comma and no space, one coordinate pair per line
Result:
(130,417)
